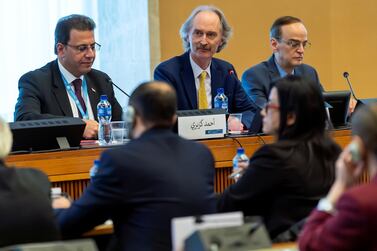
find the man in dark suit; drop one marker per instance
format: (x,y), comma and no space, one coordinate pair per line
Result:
(289,39)
(141,186)
(68,86)
(196,75)
(26,214)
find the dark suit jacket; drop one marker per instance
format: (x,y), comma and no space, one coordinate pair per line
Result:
(141,186)
(283,183)
(25,209)
(42,94)
(257,80)
(353,227)
(178,72)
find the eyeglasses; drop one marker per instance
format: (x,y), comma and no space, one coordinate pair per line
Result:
(269,105)
(294,44)
(85,47)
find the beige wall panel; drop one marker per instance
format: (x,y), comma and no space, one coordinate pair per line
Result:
(343,34)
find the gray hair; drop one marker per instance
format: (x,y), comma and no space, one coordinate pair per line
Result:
(5,139)
(187,25)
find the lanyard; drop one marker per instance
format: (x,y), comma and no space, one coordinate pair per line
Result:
(74,97)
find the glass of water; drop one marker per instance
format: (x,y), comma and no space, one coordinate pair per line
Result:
(118,132)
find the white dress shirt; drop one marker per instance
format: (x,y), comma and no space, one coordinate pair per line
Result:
(69,77)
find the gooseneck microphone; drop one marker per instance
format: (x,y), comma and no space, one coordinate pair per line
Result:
(120,89)
(346,75)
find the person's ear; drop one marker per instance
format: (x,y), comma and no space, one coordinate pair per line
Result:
(291,119)
(138,128)
(60,49)
(274,44)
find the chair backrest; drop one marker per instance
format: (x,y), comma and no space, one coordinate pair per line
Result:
(74,245)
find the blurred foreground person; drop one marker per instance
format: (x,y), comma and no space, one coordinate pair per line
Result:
(285,179)
(142,185)
(25,209)
(346,219)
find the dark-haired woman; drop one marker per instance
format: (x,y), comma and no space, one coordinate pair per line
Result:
(285,180)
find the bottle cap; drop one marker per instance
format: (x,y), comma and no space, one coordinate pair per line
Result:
(240,150)
(103,97)
(220,90)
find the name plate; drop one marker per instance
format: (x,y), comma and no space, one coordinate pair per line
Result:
(201,124)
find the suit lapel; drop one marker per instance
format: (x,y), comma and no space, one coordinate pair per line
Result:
(188,81)
(274,72)
(60,92)
(217,80)
(298,71)
(93,94)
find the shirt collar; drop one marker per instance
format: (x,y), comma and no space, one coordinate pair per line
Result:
(282,72)
(66,74)
(197,70)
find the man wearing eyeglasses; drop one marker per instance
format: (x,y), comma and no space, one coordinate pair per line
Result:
(288,39)
(68,86)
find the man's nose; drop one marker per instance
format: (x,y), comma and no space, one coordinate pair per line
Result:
(203,39)
(301,48)
(90,52)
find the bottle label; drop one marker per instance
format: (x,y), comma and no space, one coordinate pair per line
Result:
(218,104)
(104,111)
(224,106)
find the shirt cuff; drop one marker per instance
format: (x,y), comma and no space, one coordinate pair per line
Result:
(325,205)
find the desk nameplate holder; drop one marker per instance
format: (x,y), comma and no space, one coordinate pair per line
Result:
(202,124)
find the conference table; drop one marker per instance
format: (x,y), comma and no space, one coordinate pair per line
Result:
(69,169)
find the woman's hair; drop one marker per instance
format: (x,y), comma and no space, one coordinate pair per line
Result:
(5,139)
(302,99)
(364,124)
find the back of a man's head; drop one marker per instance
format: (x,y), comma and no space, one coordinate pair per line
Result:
(155,103)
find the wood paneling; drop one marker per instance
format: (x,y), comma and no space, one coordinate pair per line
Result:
(70,169)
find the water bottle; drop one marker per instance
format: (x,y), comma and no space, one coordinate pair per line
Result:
(104,119)
(240,157)
(220,100)
(93,170)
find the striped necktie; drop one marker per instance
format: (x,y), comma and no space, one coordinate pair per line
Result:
(203,103)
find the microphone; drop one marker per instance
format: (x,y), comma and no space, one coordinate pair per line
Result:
(120,89)
(346,75)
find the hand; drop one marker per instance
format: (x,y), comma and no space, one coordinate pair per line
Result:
(243,165)
(237,173)
(61,202)
(234,124)
(351,106)
(91,129)
(349,171)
